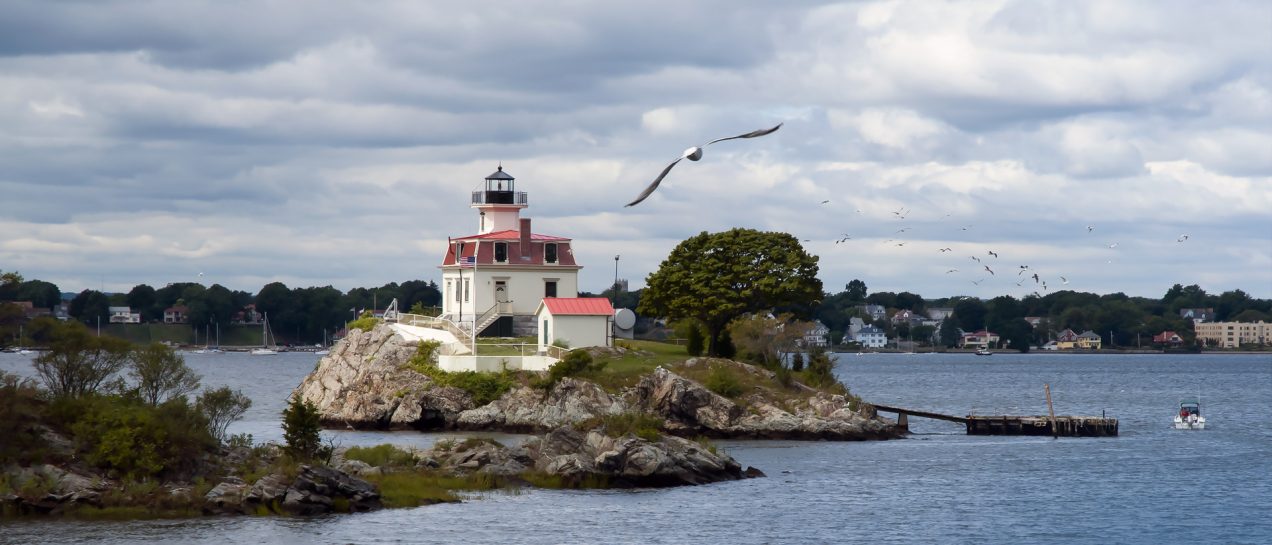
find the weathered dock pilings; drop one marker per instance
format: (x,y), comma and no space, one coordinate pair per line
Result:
(1065,426)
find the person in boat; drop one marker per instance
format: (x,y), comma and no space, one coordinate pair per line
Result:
(1183,412)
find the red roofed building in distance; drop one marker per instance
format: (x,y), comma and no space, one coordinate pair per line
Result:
(496,278)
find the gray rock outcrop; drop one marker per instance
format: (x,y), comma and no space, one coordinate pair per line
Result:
(691,409)
(364,382)
(528,409)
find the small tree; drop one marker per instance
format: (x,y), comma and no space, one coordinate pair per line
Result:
(222,407)
(694,340)
(797,362)
(79,364)
(302,429)
(161,374)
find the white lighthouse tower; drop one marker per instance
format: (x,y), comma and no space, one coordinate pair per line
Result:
(496,278)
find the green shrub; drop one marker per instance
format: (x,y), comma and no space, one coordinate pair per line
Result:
(483,387)
(575,363)
(644,426)
(821,371)
(797,362)
(20,407)
(136,440)
(382,456)
(365,322)
(722,381)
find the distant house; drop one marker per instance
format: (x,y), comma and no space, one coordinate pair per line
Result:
(817,335)
(907,317)
(578,321)
(979,339)
(176,315)
(875,312)
(1087,340)
(123,315)
(1168,338)
(1197,315)
(871,337)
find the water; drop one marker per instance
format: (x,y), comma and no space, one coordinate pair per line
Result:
(1150,485)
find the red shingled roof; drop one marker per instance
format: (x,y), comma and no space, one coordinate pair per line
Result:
(511,234)
(579,306)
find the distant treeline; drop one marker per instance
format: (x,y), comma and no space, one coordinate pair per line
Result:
(1119,319)
(298,315)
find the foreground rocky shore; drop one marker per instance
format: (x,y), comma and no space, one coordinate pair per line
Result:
(367,382)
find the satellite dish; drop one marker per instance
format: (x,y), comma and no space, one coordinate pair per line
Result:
(624,318)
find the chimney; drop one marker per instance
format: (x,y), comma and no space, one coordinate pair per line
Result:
(525,238)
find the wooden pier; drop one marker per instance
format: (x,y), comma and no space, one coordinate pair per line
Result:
(1057,426)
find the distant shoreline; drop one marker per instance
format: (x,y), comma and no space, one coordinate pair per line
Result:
(1066,352)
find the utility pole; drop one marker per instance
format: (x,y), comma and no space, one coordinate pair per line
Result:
(614,295)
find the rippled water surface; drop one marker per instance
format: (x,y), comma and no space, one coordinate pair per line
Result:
(1150,485)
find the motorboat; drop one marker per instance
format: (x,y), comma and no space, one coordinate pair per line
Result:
(1189,416)
(984,352)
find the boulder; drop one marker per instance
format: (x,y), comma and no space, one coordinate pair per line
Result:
(225,498)
(629,461)
(527,409)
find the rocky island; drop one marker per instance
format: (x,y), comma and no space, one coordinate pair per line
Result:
(374,380)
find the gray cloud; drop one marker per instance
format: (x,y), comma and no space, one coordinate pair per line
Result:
(327,143)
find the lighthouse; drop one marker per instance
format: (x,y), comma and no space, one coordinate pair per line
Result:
(494,280)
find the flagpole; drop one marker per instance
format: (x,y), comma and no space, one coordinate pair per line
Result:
(476,250)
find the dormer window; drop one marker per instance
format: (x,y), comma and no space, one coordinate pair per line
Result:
(550,252)
(501,252)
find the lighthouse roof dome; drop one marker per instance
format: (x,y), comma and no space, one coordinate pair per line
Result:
(500,175)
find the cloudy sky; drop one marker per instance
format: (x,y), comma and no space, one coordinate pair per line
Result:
(334,143)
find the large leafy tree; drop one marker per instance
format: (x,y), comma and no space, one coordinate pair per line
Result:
(40,293)
(716,277)
(89,306)
(855,291)
(141,299)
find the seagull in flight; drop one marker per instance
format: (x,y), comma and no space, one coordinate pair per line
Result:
(1113,245)
(694,154)
(966,227)
(943,250)
(825,201)
(1064,280)
(1090,228)
(951,271)
(977,259)
(1035,277)
(991,271)
(902,230)
(1181,238)
(977,282)
(845,238)
(993,253)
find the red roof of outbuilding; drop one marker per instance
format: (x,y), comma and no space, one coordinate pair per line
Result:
(579,306)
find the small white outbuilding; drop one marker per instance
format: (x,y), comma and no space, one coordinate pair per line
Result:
(578,321)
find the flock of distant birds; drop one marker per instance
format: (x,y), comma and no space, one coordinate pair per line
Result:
(1023,272)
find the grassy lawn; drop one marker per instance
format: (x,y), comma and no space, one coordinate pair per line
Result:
(626,370)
